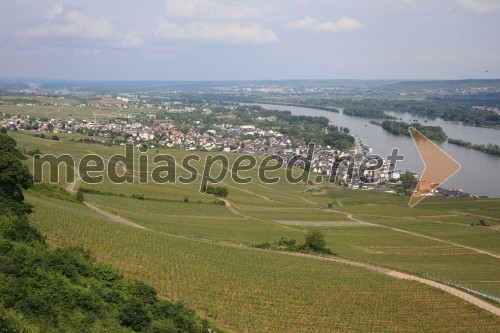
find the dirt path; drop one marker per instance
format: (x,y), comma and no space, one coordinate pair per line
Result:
(235,210)
(288,194)
(395,274)
(58,110)
(350,216)
(483,216)
(115,218)
(71,187)
(398,275)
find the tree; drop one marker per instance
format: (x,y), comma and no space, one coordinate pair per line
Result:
(79,195)
(315,241)
(14,176)
(407,178)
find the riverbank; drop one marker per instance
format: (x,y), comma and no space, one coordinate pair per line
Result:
(490,148)
(477,167)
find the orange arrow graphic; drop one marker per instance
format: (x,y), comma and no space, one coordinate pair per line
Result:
(439,166)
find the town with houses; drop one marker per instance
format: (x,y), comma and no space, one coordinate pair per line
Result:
(148,128)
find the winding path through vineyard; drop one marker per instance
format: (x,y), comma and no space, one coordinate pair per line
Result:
(399,275)
(395,274)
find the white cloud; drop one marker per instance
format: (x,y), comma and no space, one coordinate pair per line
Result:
(216,32)
(87,52)
(310,24)
(481,6)
(55,11)
(213,21)
(213,10)
(75,24)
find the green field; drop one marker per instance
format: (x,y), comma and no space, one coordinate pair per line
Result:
(201,252)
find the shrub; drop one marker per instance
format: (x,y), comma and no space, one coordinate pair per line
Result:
(79,196)
(483,223)
(218,191)
(315,242)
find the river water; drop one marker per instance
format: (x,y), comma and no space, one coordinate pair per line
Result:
(480,172)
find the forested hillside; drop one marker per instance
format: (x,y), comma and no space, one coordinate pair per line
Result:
(46,289)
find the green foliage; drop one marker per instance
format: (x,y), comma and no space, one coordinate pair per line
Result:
(401,128)
(52,191)
(367,112)
(13,322)
(338,140)
(43,289)
(79,196)
(14,177)
(483,223)
(218,191)
(456,108)
(34,152)
(315,242)
(265,245)
(65,290)
(406,179)
(492,149)
(19,230)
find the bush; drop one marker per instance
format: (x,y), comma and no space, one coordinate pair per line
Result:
(19,230)
(218,191)
(483,223)
(287,242)
(265,245)
(34,152)
(315,242)
(79,196)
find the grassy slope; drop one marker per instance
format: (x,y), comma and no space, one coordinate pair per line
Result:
(261,284)
(257,291)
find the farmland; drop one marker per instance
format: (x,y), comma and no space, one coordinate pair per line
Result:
(201,251)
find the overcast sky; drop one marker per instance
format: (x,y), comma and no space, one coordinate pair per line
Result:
(247,40)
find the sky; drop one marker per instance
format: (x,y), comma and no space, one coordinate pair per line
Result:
(250,40)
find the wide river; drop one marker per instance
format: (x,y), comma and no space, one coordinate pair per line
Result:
(480,172)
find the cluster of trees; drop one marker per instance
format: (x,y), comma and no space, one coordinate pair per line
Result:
(456,109)
(490,148)
(14,177)
(43,136)
(367,112)
(314,243)
(407,183)
(218,191)
(401,128)
(44,289)
(338,139)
